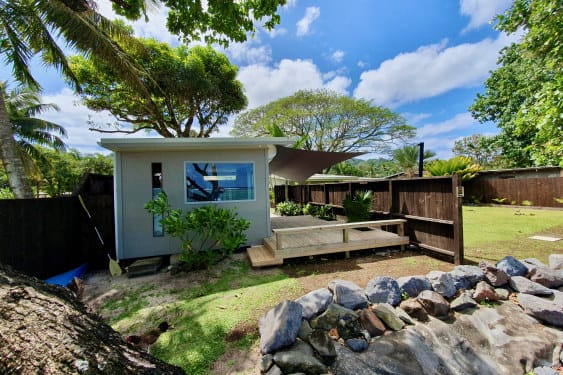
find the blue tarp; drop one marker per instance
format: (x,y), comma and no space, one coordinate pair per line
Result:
(64,279)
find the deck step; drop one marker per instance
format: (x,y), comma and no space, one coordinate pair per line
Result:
(262,257)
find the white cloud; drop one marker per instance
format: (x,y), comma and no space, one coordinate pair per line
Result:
(277,31)
(430,71)
(415,118)
(481,12)
(362,64)
(311,14)
(290,4)
(456,123)
(337,56)
(245,53)
(264,84)
(74,117)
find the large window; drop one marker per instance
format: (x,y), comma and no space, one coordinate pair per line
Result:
(219,181)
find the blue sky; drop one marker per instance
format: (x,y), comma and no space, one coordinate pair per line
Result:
(424,59)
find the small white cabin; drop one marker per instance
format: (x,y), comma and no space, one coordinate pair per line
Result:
(231,172)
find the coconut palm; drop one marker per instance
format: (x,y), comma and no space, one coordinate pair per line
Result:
(406,158)
(30,28)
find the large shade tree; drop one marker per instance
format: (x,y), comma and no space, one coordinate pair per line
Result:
(38,27)
(326,121)
(194,90)
(524,96)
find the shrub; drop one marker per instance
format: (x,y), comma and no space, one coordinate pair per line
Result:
(310,209)
(288,208)
(460,165)
(499,200)
(357,208)
(207,233)
(325,212)
(526,203)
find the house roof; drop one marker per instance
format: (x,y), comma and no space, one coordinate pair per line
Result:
(174,144)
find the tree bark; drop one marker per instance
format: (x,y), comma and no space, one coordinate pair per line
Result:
(46,330)
(10,156)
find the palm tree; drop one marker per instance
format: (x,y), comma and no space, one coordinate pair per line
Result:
(22,105)
(33,27)
(406,158)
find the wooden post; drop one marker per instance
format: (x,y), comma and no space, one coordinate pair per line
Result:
(278,241)
(401,232)
(457,199)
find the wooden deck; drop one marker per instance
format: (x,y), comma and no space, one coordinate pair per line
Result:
(300,236)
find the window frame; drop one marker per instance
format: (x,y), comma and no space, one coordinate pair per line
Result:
(217,162)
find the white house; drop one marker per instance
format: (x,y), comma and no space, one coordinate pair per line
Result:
(231,172)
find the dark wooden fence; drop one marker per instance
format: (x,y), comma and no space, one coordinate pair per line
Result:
(537,191)
(431,207)
(48,236)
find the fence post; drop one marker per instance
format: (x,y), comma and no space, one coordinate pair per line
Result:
(458,221)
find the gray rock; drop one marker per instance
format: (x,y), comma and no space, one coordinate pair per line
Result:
(348,327)
(304,330)
(542,274)
(402,314)
(464,301)
(502,293)
(484,292)
(556,261)
(299,358)
(415,309)
(493,275)
(348,363)
(442,283)
(323,345)
(266,362)
(315,302)
(512,266)
(523,285)
(370,322)
(274,370)
(433,303)
(329,319)
(544,370)
(412,285)
(383,289)
(543,309)
(357,345)
(465,277)
(348,294)
(279,327)
(533,262)
(388,315)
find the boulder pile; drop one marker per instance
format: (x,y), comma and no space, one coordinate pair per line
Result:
(487,319)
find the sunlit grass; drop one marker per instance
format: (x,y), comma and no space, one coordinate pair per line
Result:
(491,233)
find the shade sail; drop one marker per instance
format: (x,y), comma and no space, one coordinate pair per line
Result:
(298,165)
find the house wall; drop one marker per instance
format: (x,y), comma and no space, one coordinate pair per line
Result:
(134,231)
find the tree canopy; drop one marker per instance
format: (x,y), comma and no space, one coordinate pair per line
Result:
(194,90)
(484,150)
(326,121)
(406,158)
(524,96)
(216,21)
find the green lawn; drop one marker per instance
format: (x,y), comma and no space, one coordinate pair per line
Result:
(491,233)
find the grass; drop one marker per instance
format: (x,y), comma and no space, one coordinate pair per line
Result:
(205,316)
(223,311)
(491,233)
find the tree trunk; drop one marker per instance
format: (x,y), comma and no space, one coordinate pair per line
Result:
(11,158)
(46,330)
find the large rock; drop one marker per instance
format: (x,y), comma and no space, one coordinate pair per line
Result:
(357,345)
(512,266)
(348,294)
(414,308)
(300,358)
(280,326)
(542,274)
(442,283)
(493,275)
(433,303)
(412,285)
(523,285)
(389,316)
(543,309)
(402,314)
(510,340)
(371,323)
(464,301)
(329,319)
(465,277)
(556,261)
(315,302)
(383,289)
(484,292)
(348,327)
(323,345)
(304,330)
